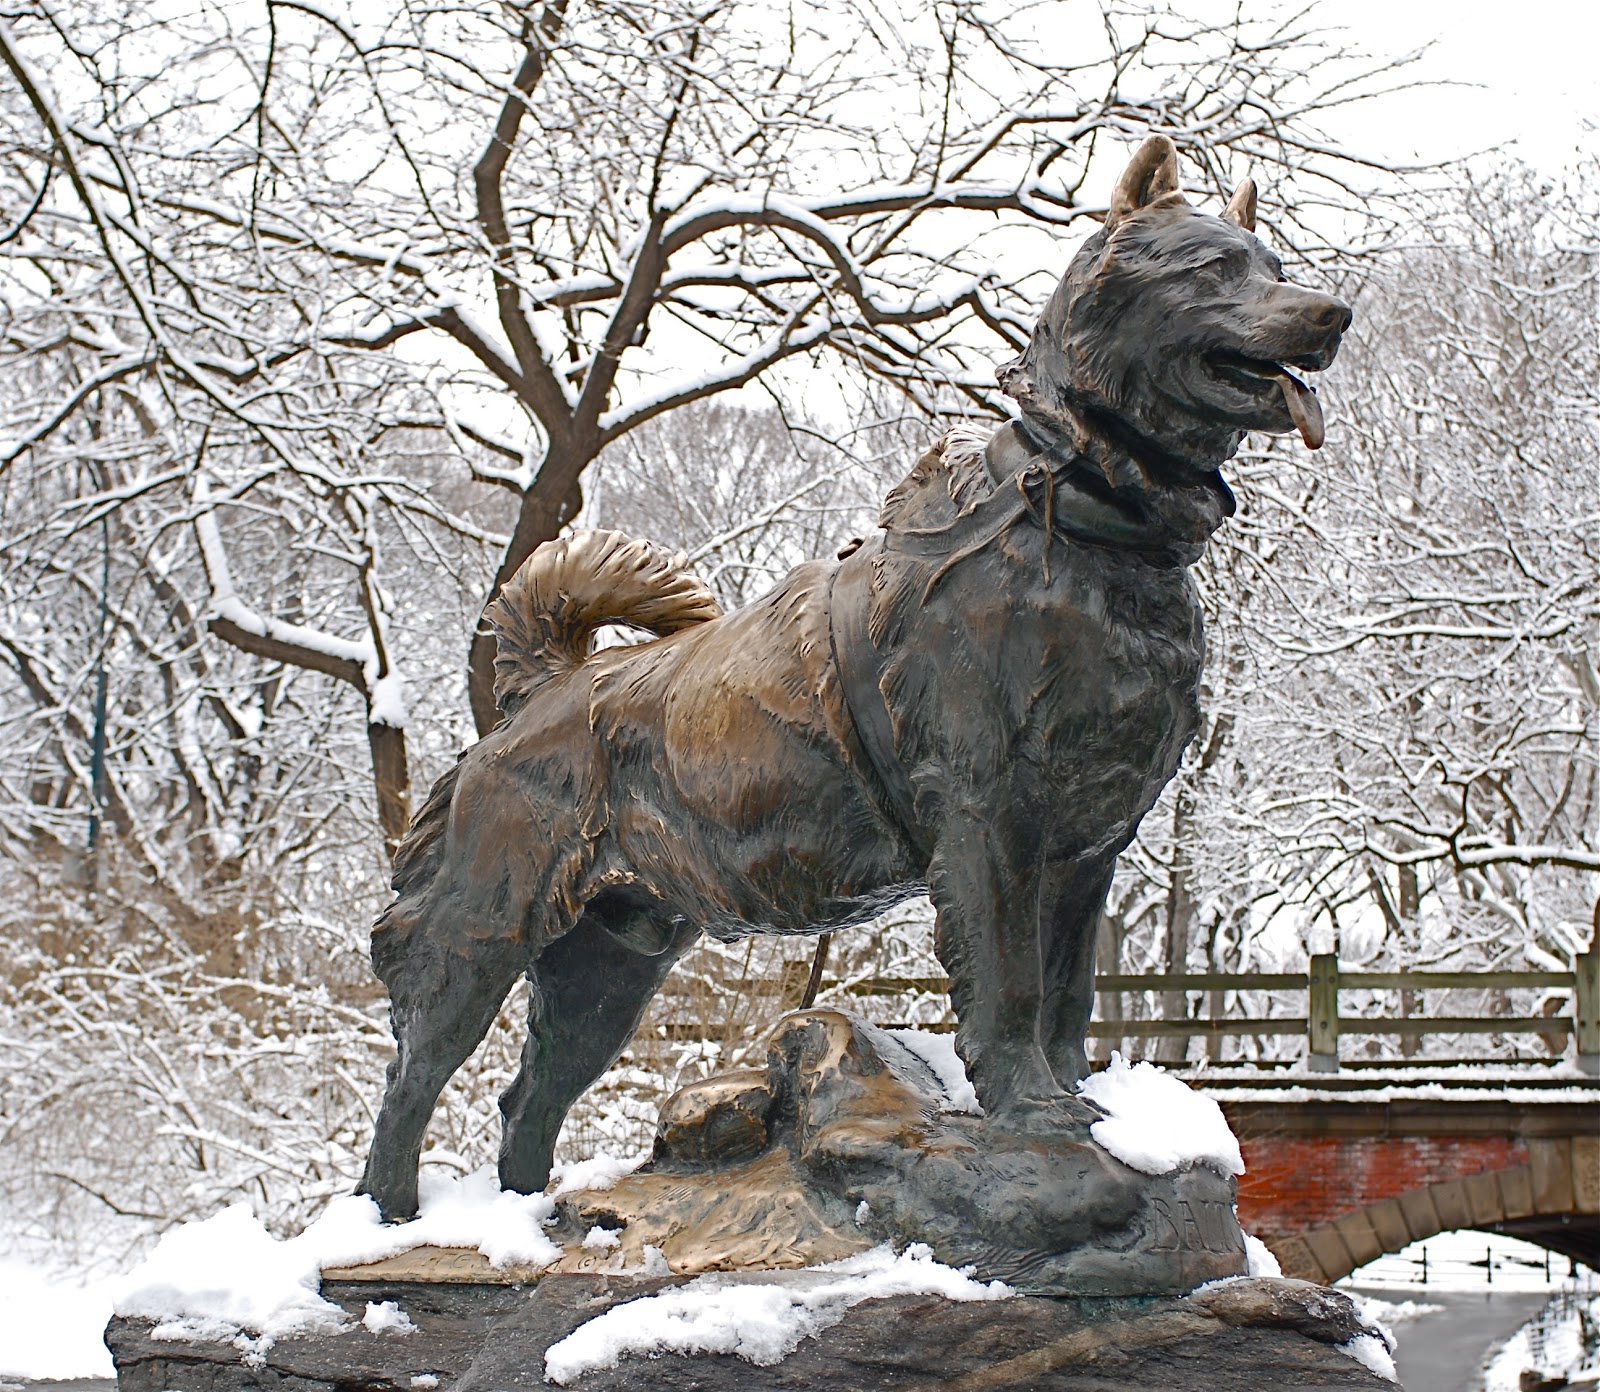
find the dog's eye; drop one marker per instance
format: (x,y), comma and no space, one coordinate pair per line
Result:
(1220,273)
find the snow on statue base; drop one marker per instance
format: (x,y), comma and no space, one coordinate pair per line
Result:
(849,1137)
(798,1226)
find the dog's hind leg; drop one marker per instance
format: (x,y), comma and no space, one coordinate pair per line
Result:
(587,993)
(1072,897)
(443,998)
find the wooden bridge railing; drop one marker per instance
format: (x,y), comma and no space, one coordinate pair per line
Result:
(1323,1024)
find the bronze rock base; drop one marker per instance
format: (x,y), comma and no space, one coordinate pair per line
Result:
(845,1139)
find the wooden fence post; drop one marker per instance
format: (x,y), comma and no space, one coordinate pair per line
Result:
(1322,1013)
(1586,1008)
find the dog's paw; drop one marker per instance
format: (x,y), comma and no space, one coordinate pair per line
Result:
(1054,1114)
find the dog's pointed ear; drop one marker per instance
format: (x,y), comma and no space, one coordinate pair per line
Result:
(1151,174)
(1242,206)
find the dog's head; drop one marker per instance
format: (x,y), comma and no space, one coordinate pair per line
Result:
(1172,334)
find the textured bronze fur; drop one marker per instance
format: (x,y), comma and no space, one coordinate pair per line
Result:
(983,700)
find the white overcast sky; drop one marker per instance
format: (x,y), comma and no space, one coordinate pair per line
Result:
(1535,63)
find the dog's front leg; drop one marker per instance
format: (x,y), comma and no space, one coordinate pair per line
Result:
(1072,897)
(984,881)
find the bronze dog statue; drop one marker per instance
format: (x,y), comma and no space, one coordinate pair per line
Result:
(981,701)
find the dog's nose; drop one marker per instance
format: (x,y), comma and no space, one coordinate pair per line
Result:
(1329,315)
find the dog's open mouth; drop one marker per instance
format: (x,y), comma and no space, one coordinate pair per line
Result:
(1304,408)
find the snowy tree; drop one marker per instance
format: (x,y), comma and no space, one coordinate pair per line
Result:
(283,249)
(1462,611)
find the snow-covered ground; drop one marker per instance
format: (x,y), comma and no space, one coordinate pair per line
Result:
(1460,1332)
(1551,1344)
(51,1325)
(1455,1261)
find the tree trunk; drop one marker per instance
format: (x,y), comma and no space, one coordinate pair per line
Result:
(1108,961)
(1409,906)
(540,520)
(393,784)
(1180,925)
(1181,902)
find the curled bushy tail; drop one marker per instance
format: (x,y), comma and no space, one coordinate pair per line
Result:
(545,616)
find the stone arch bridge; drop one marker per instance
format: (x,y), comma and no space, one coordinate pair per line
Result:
(1337,1176)
(1344,1164)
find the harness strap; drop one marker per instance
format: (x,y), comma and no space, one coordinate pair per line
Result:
(857,662)
(1047,491)
(1048,487)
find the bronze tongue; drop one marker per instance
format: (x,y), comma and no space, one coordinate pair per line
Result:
(1304,409)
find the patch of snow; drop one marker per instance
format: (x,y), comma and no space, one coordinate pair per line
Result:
(1400,1073)
(760,1320)
(1371,1351)
(1376,1348)
(1156,1123)
(600,1173)
(253,1352)
(253,1349)
(469,1211)
(386,704)
(938,1051)
(1403,1092)
(210,1279)
(599,1239)
(424,1382)
(1384,1313)
(228,606)
(386,1317)
(863,1212)
(196,1330)
(50,1327)
(1259,1255)
(1551,1344)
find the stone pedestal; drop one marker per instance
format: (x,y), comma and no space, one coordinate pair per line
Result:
(845,1140)
(1245,1336)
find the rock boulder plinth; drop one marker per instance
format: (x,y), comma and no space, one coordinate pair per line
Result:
(1253,1335)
